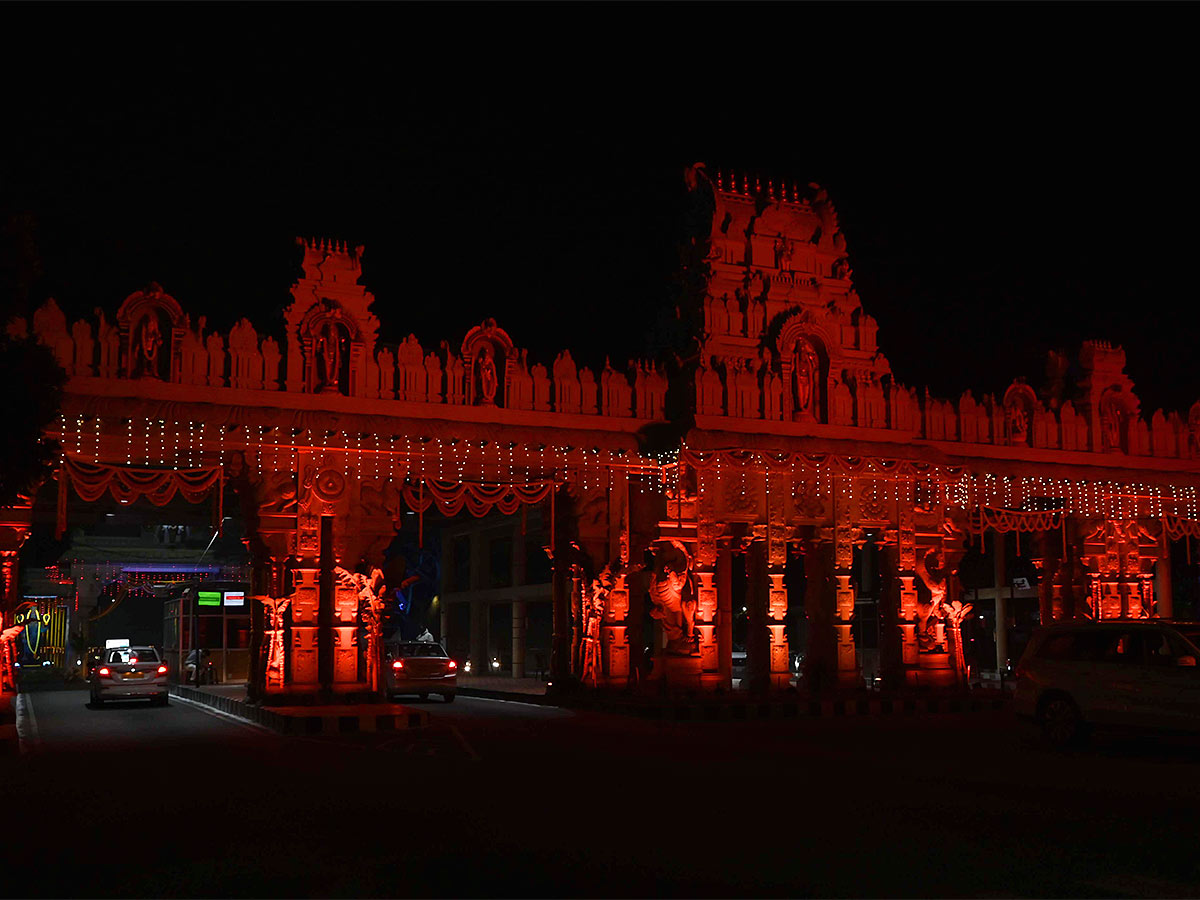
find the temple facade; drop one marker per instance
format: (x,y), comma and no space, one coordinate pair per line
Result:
(804,450)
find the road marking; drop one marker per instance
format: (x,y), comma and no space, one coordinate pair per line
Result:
(475,757)
(212,711)
(513,702)
(27,730)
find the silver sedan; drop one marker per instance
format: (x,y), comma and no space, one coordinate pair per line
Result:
(129,673)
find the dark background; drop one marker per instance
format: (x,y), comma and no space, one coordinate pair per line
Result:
(1010,179)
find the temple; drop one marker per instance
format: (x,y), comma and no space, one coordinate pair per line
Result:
(804,457)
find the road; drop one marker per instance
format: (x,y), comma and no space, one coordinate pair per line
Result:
(513,799)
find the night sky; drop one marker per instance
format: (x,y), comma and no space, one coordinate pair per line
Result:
(1020,187)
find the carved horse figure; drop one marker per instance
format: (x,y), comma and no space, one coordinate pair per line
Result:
(668,602)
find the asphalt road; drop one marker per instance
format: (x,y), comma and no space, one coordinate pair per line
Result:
(512,799)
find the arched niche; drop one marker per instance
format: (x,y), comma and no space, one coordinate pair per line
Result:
(1020,403)
(152,328)
(1118,410)
(804,365)
(490,358)
(331,344)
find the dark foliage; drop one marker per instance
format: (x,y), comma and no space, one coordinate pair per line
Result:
(33,384)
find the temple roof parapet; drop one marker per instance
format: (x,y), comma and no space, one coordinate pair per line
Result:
(786,360)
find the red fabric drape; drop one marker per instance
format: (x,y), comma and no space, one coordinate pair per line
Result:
(159,486)
(479,499)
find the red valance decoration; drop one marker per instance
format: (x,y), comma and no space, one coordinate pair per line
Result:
(1178,528)
(159,486)
(479,499)
(1004,520)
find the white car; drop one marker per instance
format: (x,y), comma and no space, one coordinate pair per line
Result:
(1139,673)
(129,673)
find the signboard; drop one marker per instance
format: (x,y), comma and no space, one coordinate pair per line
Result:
(112,643)
(208,598)
(235,598)
(1021,584)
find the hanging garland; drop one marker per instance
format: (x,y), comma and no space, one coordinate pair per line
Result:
(479,499)
(126,484)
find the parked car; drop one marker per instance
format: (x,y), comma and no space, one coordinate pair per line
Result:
(129,673)
(421,668)
(1123,673)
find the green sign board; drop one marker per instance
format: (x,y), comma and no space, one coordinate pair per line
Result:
(208,598)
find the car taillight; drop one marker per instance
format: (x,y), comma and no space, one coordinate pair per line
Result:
(162,670)
(104,673)
(452,665)
(398,664)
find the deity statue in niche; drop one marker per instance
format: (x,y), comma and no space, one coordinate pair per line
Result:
(806,366)
(1110,423)
(668,603)
(146,347)
(931,567)
(329,357)
(488,382)
(783,254)
(1018,424)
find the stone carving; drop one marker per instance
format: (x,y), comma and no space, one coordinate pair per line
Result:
(541,388)
(85,347)
(594,608)
(109,342)
(488,382)
(587,392)
(386,361)
(147,342)
(733,309)
(327,351)
(454,375)
(433,378)
(193,357)
(566,384)
(1112,421)
(520,388)
(931,567)
(842,404)
(414,376)
(806,367)
(271,357)
(216,361)
(245,364)
(670,603)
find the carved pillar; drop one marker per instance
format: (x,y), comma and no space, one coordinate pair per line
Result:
(906,541)
(345,633)
(847,658)
(706,581)
(614,630)
(724,588)
(306,601)
(758,643)
(560,651)
(1165,607)
(777,600)
(518,639)
(8,574)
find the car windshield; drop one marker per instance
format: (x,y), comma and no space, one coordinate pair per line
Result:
(421,649)
(133,654)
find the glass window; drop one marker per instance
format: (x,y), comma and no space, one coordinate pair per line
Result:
(421,649)
(237,632)
(500,552)
(461,551)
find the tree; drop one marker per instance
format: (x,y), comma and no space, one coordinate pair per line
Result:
(32,381)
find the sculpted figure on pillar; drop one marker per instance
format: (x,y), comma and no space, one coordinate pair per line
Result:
(668,603)
(931,567)
(594,607)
